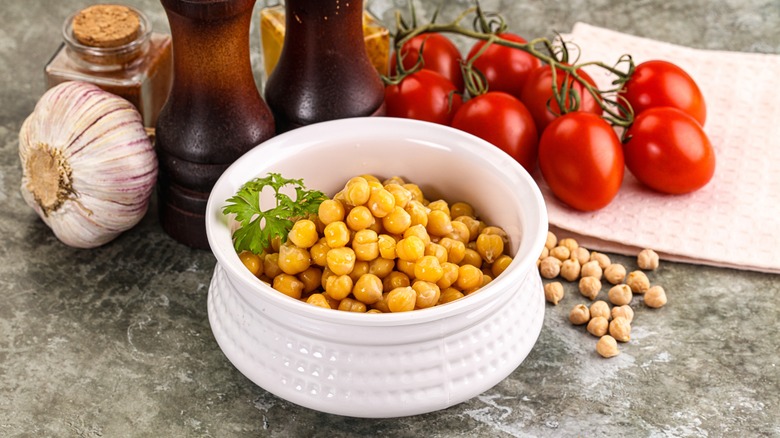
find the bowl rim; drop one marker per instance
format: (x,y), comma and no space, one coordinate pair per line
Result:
(291,142)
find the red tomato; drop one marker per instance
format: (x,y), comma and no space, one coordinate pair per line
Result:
(668,151)
(502,120)
(505,68)
(423,95)
(537,92)
(581,159)
(661,83)
(439,54)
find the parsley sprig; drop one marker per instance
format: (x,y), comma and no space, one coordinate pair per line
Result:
(259,227)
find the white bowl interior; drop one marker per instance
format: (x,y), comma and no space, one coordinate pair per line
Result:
(446,163)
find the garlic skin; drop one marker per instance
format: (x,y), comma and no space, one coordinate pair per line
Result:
(88,166)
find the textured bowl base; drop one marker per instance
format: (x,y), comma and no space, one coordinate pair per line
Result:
(377,381)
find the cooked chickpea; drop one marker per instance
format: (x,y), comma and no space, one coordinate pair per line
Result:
(647,260)
(252,262)
(367,289)
(620,294)
(601,258)
(357,191)
(427,268)
(410,248)
(336,234)
(655,297)
(545,253)
(303,233)
(591,269)
(600,308)
(395,279)
(401,299)
(406,267)
(490,247)
(360,218)
(352,305)
(318,300)
(397,221)
(449,275)
(271,265)
(471,257)
(615,273)
(427,294)
(386,244)
(449,295)
(590,287)
(471,224)
(341,260)
(440,205)
(381,305)
(607,346)
(620,329)
(381,267)
(401,195)
(288,285)
(311,279)
(436,250)
(414,189)
(338,287)
(625,311)
(361,267)
(456,250)
(469,277)
(381,202)
(500,265)
(417,212)
(460,231)
(365,244)
(550,267)
(293,260)
(570,269)
(560,252)
(553,292)
(419,231)
(638,282)
(395,179)
(579,314)
(459,209)
(439,223)
(597,326)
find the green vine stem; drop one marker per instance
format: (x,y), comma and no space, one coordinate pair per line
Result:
(487,27)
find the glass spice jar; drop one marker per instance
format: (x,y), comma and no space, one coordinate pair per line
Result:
(114,47)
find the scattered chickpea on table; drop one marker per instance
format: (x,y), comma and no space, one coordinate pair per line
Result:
(565,258)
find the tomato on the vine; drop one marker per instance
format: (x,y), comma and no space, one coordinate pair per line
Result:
(661,83)
(581,159)
(502,120)
(439,54)
(423,95)
(667,150)
(538,93)
(505,68)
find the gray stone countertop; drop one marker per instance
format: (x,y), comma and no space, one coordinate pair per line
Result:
(115,341)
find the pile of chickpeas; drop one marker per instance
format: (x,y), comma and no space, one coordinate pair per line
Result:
(381,246)
(566,259)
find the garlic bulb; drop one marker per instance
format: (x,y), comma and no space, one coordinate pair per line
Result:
(88,167)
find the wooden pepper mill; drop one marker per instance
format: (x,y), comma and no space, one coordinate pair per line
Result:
(324,71)
(214,113)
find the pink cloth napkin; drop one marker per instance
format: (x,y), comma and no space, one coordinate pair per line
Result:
(734,221)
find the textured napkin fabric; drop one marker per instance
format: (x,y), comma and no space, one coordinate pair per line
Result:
(734,221)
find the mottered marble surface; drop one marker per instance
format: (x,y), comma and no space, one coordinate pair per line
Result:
(116,342)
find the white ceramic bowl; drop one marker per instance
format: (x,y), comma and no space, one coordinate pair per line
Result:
(382,365)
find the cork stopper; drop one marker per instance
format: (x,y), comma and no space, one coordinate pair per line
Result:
(106,26)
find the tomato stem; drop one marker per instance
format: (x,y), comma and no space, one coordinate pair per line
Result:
(488,26)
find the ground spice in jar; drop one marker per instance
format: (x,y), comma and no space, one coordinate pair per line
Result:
(113,47)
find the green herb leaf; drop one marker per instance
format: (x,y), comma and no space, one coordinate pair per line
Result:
(259,227)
